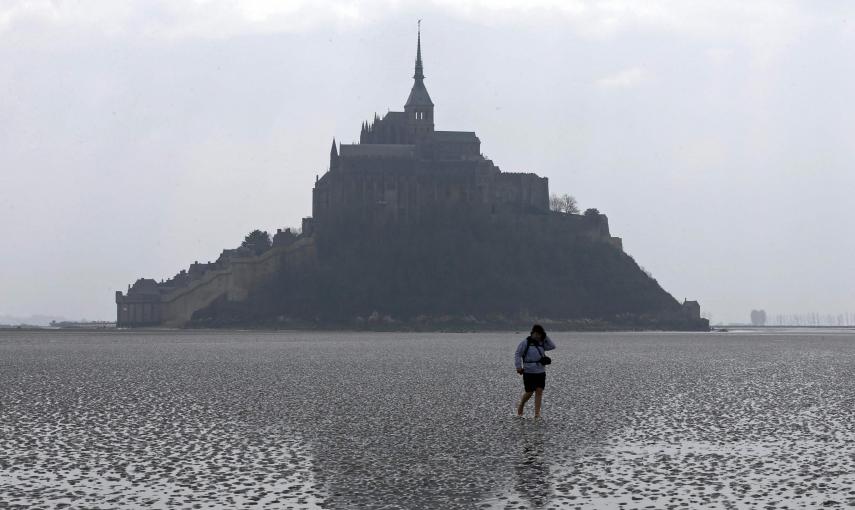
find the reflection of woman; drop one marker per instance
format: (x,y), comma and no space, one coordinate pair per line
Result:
(533,477)
(528,361)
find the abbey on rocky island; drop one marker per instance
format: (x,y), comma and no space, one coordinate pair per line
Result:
(406,175)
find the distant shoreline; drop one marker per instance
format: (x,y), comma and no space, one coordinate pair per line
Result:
(614,329)
(748,326)
(338,330)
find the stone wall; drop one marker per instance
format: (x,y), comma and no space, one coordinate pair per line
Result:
(234,281)
(145,311)
(377,191)
(550,224)
(524,191)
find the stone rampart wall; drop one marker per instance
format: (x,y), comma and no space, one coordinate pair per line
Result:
(581,227)
(235,281)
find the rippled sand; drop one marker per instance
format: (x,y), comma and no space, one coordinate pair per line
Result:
(315,420)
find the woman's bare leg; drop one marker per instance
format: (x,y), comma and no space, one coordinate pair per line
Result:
(538,397)
(525,397)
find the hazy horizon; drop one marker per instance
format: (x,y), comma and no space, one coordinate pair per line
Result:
(136,138)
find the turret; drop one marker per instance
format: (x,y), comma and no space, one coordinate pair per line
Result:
(333,156)
(419,107)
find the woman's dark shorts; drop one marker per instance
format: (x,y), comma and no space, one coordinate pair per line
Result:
(534,381)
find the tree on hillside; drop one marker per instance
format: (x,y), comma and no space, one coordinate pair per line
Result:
(563,204)
(258,241)
(592,212)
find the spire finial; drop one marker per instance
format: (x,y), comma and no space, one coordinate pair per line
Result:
(419,69)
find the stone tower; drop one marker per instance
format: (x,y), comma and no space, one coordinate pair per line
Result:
(419,107)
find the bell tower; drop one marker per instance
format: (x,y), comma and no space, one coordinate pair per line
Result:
(419,107)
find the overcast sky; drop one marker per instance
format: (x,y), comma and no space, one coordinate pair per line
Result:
(718,137)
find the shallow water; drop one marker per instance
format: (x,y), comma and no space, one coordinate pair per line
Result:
(341,420)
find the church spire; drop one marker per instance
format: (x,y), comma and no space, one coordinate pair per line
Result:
(420,75)
(419,96)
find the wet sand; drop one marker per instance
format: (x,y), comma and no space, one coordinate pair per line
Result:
(337,420)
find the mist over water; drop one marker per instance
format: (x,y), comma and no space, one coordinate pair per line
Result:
(370,420)
(138,137)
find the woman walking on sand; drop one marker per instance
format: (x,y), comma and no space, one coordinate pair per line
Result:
(530,360)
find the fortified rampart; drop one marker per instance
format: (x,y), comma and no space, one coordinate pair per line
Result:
(148,303)
(579,227)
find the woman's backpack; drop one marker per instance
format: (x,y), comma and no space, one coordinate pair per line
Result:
(544,359)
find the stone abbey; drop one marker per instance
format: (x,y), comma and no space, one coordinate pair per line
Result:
(403,173)
(404,169)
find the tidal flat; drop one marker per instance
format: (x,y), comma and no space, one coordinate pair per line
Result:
(224,419)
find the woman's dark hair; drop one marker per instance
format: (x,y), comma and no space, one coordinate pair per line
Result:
(537,328)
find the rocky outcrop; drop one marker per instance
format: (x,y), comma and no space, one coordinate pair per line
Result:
(463,273)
